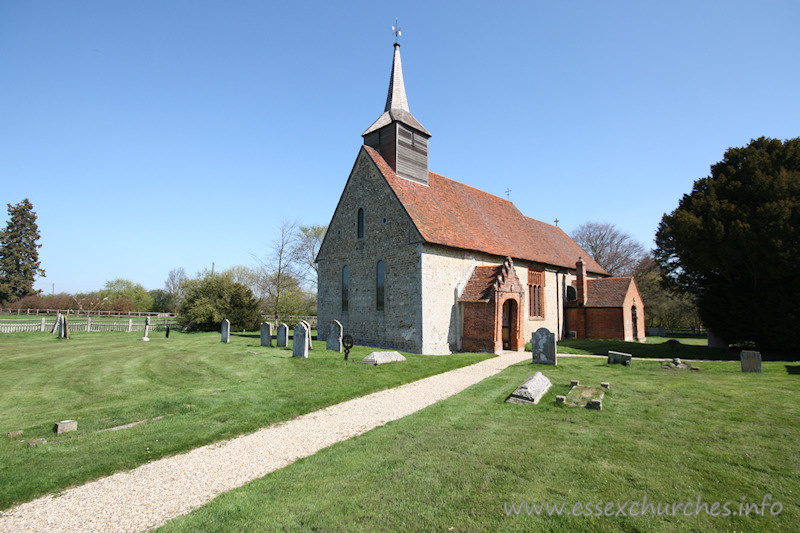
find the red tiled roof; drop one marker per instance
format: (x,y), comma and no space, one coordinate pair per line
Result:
(479,286)
(607,292)
(476,220)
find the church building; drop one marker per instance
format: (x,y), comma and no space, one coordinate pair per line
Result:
(421,263)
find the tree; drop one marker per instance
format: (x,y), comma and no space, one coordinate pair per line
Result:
(308,239)
(173,287)
(209,300)
(734,242)
(277,271)
(664,307)
(613,249)
(125,295)
(19,253)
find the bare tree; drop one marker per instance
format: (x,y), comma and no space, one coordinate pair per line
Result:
(174,287)
(613,249)
(277,274)
(304,253)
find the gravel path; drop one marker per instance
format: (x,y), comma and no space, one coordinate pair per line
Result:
(154,493)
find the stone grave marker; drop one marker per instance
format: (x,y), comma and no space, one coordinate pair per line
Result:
(532,390)
(283,335)
(381,358)
(266,334)
(751,361)
(65,426)
(335,337)
(543,344)
(308,327)
(619,358)
(226,330)
(300,344)
(146,329)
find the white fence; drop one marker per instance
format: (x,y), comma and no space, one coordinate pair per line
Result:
(19,326)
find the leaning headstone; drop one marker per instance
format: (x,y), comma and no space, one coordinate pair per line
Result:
(308,327)
(146,338)
(619,358)
(335,337)
(266,334)
(65,426)
(283,335)
(300,344)
(532,390)
(380,358)
(56,324)
(226,330)
(751,361)
(543,344)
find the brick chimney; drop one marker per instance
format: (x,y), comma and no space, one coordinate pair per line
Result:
(581,282)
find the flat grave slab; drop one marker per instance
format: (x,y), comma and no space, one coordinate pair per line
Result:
(380,358)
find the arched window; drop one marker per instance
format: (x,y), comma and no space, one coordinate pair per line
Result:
(379,287)
(345,289)
(360,223)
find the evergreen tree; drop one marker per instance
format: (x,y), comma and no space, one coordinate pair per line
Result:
(19,253)
(733,242)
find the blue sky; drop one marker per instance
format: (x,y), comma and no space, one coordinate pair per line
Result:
(153,135)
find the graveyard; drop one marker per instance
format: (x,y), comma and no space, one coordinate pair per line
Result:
(186,391)
(463,463)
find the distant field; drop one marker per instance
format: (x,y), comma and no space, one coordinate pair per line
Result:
(204,390)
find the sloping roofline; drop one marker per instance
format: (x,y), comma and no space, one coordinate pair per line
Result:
(452,214)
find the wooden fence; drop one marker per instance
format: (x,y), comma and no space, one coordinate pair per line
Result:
(20,326)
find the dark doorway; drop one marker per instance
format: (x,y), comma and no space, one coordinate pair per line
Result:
(509,324)
(635,319)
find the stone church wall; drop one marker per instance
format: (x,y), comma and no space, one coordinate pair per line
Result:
(388,237)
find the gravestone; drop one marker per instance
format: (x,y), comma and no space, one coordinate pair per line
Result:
(56,324)
(308,327)
(266,334)
(65,426)
(381,358)
(283,335)
(300,344)
(532,390)
(146,329)
(335,337)
(226,330)
(619,358)
(751,361)
(543,346)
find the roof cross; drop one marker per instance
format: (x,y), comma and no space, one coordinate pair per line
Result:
(508,194)
(556,221)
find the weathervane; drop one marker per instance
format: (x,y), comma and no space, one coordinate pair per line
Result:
(396,30)
(508,194)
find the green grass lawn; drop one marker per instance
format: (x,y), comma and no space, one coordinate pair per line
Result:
(655,347)
(458,465)
(204,390)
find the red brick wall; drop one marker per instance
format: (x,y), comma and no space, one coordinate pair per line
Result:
(479,327)
(604,323)
(596,322)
